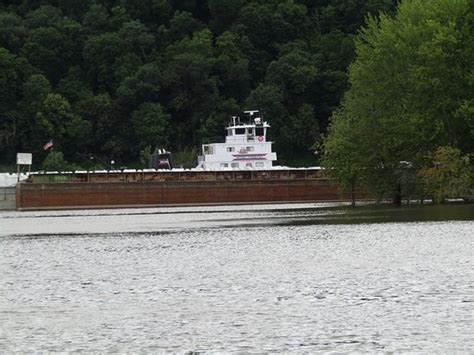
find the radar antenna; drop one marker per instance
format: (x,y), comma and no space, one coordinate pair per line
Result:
(251,112)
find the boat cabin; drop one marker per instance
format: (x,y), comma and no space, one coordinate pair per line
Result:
(245,146)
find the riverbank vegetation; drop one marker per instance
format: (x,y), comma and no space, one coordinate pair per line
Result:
(405,128)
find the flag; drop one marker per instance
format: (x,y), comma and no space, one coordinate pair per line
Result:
(48,145)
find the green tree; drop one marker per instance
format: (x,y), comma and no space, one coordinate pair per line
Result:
(12,31)
(100,111)
(43,16)
(231,66)
(100,54)
(53,42)
(151,125)
(409,82)
(268,25)
(143,85)
(191,85)
(9,94)
(341,157)
(137,37)
(449,174)
(69,131)
(8,79)
(214,124)
(295,72)
(181,25)
(73,86)
(348,15)
(223,13)
(54,161)
(34,92)
(96,19)
(333,53)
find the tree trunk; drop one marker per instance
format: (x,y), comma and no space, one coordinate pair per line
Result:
(397,198)
(353,201)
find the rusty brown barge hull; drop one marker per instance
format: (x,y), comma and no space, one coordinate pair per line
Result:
(165,188)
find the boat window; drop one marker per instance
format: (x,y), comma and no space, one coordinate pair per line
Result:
(259,131)
(224,165)
(248,165)
(230,132)
(259,164)
(230,149)
(234,165)
(240,131)
(250,131)
(207,149)
(249,149)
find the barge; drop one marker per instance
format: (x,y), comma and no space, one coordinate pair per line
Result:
(239,170)
(165,188)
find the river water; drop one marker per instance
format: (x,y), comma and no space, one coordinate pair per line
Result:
(281,278)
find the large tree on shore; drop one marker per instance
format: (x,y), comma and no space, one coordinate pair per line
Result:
(412,90)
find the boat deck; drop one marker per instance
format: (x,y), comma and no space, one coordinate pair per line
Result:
(176,175)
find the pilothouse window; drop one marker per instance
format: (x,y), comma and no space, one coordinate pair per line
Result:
(240,131)
(207,149)
(259,131)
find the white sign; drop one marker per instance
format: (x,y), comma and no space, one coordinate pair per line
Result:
(24,158)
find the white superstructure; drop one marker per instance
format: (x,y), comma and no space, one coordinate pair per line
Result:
(245,147)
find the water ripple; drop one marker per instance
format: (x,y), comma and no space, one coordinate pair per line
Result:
(182,283)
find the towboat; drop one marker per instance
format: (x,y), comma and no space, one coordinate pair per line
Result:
(245,147)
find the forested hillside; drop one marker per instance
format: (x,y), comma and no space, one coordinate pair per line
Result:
(110,78)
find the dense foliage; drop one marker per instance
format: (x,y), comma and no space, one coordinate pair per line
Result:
(112,78)
(406,126)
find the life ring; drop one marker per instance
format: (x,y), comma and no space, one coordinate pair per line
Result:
(260,138)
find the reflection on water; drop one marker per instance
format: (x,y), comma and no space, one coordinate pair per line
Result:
(291,278)
(390,213)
